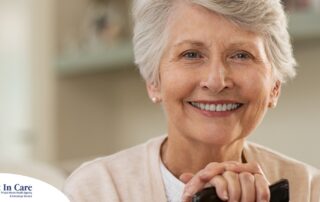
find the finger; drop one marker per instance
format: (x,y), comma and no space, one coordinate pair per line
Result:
(234,187)
(211,169)
(186,177)
(196,183)
(251,167)
(221,187)
(262,188)
(248,189)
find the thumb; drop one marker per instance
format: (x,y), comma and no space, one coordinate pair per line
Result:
(186,177)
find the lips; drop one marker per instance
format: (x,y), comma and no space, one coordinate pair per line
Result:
(216,107)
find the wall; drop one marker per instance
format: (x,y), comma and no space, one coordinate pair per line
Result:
(101,113)
(15,80)
(293,127)
(26,82)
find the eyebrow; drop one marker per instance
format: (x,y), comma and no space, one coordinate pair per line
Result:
(192,42)
(243,44)
(248,44)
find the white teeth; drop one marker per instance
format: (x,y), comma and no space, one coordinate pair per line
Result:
(219,108)
(212,107)
(224,108)
(229,107)
(207,107)
(216,107)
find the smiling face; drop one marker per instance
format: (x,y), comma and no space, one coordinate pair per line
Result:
(215,79)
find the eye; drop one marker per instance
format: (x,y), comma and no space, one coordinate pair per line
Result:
(192,55)
(242,56)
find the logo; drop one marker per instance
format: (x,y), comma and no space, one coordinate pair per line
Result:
(18,188)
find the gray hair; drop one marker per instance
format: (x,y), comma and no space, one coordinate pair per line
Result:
(265,17)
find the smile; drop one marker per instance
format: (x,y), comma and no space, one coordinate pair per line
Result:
(216,107)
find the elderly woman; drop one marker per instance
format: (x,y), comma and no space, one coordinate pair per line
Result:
(216,66)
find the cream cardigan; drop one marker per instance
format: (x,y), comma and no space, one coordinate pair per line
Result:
(133,175)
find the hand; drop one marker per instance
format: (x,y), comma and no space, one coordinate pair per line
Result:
(233,182)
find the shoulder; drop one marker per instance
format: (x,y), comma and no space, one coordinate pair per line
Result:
(113,171)
(254,150)
(119,160)
(276,166)
(276,159)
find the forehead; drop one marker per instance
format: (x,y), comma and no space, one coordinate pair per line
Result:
(193,22)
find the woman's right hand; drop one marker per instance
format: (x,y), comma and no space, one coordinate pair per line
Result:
(243,182)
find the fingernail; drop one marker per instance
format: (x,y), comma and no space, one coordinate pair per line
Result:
(185,196)
(225,196)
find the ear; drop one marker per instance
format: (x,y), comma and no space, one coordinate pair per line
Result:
(154,92)
(275,94)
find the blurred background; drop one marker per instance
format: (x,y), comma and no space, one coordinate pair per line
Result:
(69,91)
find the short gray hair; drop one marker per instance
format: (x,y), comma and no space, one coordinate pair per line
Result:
(265,17)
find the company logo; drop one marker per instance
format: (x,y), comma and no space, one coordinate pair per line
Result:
(16,191)
(18,188)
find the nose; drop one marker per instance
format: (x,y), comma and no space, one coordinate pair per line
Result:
(216,79)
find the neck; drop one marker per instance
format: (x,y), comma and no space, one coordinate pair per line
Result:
(183,155)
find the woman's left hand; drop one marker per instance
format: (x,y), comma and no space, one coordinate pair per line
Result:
(233,182)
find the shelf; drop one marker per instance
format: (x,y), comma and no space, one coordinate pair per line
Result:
(304,25)
(119,56)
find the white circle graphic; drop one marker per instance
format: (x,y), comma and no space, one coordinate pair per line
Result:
(18,188)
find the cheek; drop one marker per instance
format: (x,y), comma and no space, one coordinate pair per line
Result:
(256,85)
(257,95)
(176,84)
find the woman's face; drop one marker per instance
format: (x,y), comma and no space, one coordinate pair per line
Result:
(215,78)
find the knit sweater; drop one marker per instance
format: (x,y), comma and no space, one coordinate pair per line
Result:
(134,175)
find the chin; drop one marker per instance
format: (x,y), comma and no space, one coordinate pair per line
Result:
(216,138)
